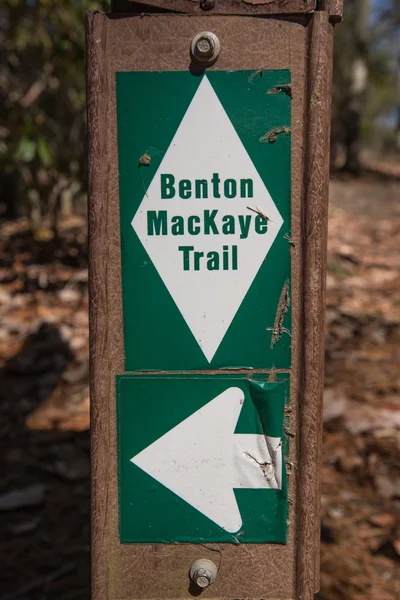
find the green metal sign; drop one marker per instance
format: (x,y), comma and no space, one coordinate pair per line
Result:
(204,164)
(201,458)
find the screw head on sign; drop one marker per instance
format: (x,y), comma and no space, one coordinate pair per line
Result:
(205,47)
(203,579)
(203,572)
(207,4)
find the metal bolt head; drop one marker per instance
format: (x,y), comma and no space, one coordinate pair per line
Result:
(203,572)
(205,47)
(202,578)
(207,4)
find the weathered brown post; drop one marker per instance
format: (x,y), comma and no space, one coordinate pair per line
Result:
(209,130)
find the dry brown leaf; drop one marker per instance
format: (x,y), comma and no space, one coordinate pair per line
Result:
(382,520)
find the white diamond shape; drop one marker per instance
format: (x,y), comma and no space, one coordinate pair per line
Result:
(206,143)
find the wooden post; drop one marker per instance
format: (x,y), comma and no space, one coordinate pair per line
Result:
(172,139)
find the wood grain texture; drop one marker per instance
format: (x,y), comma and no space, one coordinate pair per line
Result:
(161,42)
(98,148)
(221,7)
(314,234)
(335,9)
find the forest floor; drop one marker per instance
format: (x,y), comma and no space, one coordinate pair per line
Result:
(44,408)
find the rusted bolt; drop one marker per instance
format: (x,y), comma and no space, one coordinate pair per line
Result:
(205,47)
(203,572)
(207,4)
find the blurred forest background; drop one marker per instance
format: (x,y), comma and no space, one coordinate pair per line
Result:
(44,409)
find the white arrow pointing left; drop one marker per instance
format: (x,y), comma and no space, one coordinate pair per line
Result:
(202,460)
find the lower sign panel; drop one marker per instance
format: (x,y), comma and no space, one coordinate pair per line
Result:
(202,458)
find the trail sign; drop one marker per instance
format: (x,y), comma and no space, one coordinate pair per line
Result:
(208,176)
(205,221)
(211,459)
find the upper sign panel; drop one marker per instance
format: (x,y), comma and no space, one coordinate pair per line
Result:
(205,219)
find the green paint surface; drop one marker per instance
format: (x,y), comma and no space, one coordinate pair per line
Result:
(150,108)
(150,406)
